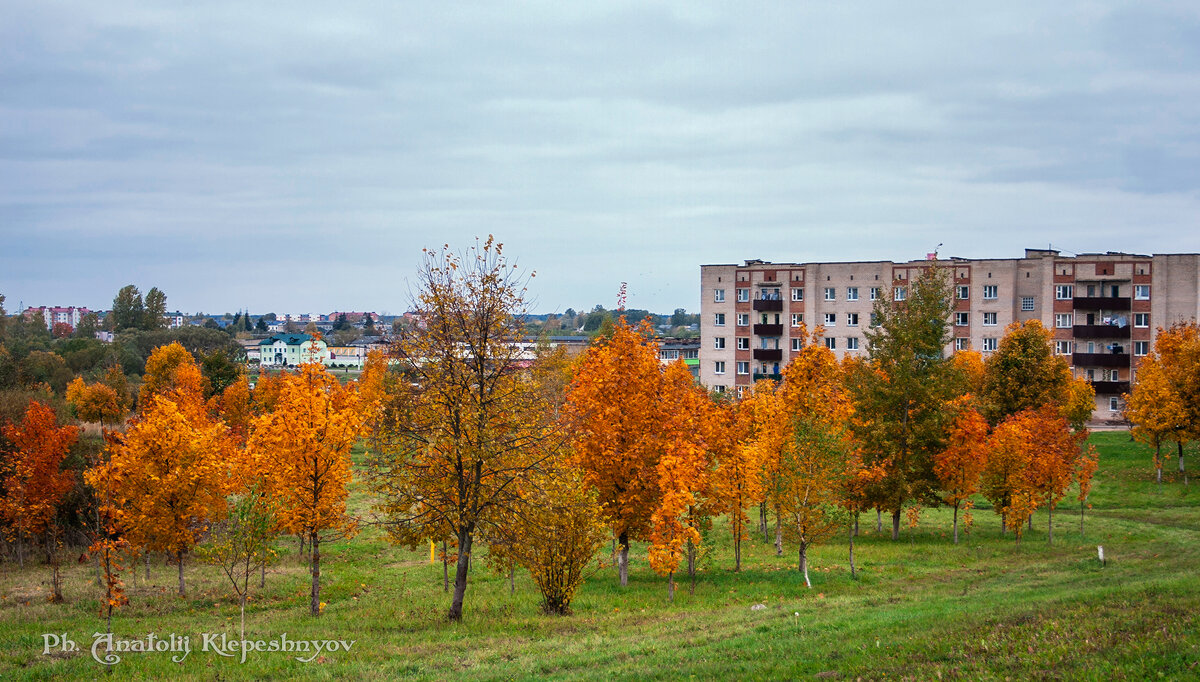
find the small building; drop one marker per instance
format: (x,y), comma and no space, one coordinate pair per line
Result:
(289,350)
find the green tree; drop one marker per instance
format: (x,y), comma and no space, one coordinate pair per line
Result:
(89,324)
(261,325)
(903,390)
(155,314)
(1023,373)
(128,309)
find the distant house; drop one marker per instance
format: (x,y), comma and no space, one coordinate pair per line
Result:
(671,350)
(289,350)
(52,315)
(174,320)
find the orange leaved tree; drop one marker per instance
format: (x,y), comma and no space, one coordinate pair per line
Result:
(615,414)
(96,402)
(682,472)
(737,476)
(34,483)
(301,452)
(819,455)
(1054,449)
(167,476)
(473,428)
(960,465)
(1155,409)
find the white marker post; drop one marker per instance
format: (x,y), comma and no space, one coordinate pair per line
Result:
(1100,551)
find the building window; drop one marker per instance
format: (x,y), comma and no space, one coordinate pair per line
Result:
(830,319)
(743,368)
(1141,319)
(719,295)
(852,319)
(770,295)
(989,319)
(743,343)
(1114,404)
(962,319)
(989,343)
(719,319)
(874,293)
(1064,292)
(797,293)
(1062,347)
(874,320)
(851,293)
(851,343)
(719,343)
(831,343)
(1063,320)
(830,294)
(797,345)
(990,292)
(901,294)
(743,319)
(1141,347)
(740,390)
(743,295)
(964,292)
(719,367)
(1141,292)
(962,343)
(1026,303)
(797,319)
(719,388)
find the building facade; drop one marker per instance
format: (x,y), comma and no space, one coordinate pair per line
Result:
(1103,309)
(68,315)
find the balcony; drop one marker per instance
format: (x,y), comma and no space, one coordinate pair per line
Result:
(768,354)
(1102,303)
(772,377)
(1100,331)
(1110,387)
(768,305)
(768,330)
(1100,359)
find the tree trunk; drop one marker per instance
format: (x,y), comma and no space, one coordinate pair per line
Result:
(878,520)
(300,554)
(1185,479)
(445,566)
(691,560)
(460,573)
(262,576)
(737,551)
(20,551)
(623,557)
(314,602)
(804,562)
(147,562)
(1158,462)
(1003,523)
(778,535)
(512,580)
(671,587)
(1029,522)
(762,522)
(1049,525)
(956,523)
(853,574)
(1081,505)
(182,587)
(896,523)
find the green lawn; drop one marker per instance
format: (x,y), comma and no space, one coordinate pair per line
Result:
(922,607)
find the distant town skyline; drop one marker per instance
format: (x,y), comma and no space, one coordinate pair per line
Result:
(237,156)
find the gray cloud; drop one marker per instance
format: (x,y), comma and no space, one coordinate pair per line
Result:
(296,156)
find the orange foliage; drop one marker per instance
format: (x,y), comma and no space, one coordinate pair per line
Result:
(960,465)
(94,402)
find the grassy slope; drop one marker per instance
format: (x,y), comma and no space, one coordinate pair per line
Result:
(922,607)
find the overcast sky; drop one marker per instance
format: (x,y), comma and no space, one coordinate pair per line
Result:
(296,156)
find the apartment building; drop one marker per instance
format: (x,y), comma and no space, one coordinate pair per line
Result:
(68,315)
(1104,309)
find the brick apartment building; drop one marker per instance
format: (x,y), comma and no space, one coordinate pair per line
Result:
(1104,309)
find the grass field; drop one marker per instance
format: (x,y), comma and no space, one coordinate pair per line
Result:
(922,607)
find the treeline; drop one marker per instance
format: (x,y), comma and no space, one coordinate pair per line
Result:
(678,324)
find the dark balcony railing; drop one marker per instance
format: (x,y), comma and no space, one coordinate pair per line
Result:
(1102,302)
(772,377)
(768,330)
(768,354)
(1100,359)
(1100,331)
(768,305)
(1110,387)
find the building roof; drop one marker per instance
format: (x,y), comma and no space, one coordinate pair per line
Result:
(290,339)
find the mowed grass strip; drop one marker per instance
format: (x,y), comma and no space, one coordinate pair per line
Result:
(922,607)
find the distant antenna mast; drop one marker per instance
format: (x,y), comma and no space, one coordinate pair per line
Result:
(621,296)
